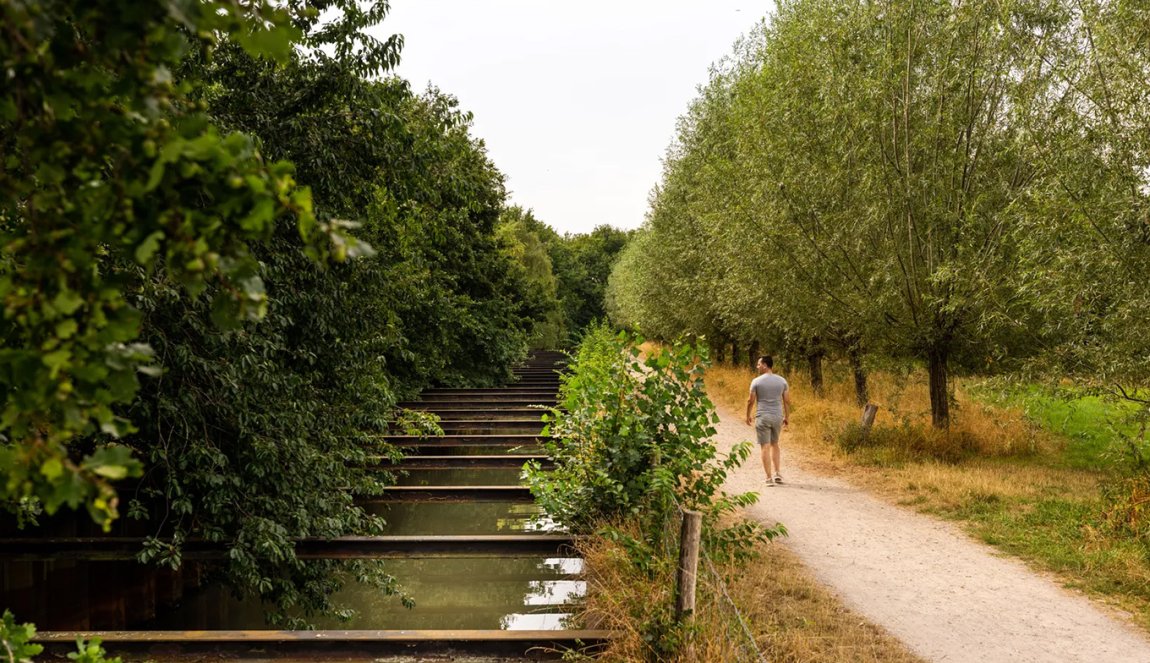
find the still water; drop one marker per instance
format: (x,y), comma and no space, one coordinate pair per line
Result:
(513,593)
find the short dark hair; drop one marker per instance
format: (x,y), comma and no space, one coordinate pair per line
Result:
(768,360)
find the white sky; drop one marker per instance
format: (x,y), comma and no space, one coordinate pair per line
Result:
(576,101)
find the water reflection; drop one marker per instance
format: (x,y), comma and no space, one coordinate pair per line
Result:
(511,593)
(472,518)
(507,476)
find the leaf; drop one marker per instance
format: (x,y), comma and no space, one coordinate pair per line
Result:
(275,43)
(57,360)
(52,469)
(147,249)
(67,302)
(66,328)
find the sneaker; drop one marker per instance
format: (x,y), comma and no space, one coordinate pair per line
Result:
(778,478)
(770,482)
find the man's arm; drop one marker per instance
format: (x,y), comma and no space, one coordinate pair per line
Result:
(750,404)
(786,406)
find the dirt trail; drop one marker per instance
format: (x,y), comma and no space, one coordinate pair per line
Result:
(948,597)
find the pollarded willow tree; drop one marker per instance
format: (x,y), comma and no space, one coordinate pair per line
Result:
(885,155)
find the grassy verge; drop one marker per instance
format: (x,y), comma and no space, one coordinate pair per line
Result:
(1022,470)
(791,616)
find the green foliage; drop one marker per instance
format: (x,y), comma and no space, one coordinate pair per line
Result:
(91,652)
(520,233)
(15,640)
(916,180)
(632,443)
(583,264)
(297,403)
(17,648)
(152,223)
(632,449)
(580,265)
(112,175)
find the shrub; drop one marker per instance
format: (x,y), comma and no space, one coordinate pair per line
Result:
(631,445)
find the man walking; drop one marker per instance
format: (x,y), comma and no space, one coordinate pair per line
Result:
(772,400)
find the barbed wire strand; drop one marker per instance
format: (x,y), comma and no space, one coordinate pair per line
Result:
(758,653)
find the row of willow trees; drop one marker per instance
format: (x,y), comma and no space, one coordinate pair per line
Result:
(231,244)
(964,184)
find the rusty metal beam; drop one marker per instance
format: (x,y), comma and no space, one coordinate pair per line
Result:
(330,644)
(474,403)
(494,413)
(347,547)
(502,461)
(452,494)
(434,441)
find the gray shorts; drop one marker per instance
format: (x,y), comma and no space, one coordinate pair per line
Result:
(768,428)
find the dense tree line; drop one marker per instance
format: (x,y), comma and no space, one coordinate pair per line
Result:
(231,245)
(960,184)
(569,273)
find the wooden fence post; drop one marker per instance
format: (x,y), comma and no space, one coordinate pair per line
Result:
(868,415)
(688,565)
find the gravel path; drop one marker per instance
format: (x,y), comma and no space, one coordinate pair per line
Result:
(948,597)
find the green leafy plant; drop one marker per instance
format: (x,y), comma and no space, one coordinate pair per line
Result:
(632,441)
(111,173)
(15,640)
(91,652)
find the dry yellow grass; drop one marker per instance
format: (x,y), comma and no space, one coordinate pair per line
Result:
(791,617)
(914,458)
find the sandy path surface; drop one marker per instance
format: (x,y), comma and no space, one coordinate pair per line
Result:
(947,596)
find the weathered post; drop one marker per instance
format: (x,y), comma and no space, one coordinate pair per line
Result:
(688,565)
(868,415)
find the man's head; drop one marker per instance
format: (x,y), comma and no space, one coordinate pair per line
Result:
(765,363)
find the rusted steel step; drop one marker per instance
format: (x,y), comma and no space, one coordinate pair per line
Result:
(521,397)
(438,441)
(500,413)
(494,391)
(457,406)
(452,494)
(451,425)
(330,644)
(472,404)
(347,547)
(523,392)
(419,463)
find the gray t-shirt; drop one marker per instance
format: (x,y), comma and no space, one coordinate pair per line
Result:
(768,389)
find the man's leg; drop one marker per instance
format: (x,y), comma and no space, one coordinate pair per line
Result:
(776,455)
(765,449)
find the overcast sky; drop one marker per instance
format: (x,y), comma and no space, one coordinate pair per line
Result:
(576,101)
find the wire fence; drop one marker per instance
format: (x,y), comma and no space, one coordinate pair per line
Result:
(719,597)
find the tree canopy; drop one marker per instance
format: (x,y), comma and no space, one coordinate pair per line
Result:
(958,184)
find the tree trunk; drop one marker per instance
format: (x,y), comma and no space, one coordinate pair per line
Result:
(720,347)
(815,362)
(939,397)
(753,354)
(861,393)
(734,351)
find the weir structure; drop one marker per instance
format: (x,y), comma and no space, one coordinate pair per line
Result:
(495,545)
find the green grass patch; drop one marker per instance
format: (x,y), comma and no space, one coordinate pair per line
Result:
(1091,426)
